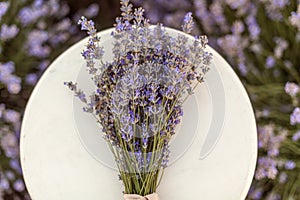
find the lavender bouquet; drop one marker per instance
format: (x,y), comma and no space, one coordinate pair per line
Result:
(139,94)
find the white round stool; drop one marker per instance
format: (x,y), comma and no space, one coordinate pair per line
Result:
(60,162)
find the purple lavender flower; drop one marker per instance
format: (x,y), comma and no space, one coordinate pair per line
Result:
(62,10)
(275,142)
(126,9)
(10,175)
(4,183)
(188,23)
(253,27)
(25,16)
(203,15)
(243,69)
(256,48)
(255,194)
(295,18)
(89,106)
(38,3)
(172,5)
(280,3)
(166,155)
(281,46)
(290,165)
(274,8)
(12,116)
(270,62)
(237,27)
(91,11)
(269,141)
(81,96)
(64,25)
(235,4)
(12,82)
(31,79)
(229,42)
(266,168)
(19,185)
(6,70)
(15,164)
(54,7)
(291,89)
(92,50)
(3,8)
(265,113)
(28,15)
(36,43)
(283,177)
(233,45)
(254,30)
(217,12)
(85,24)
(37,37)
(172,19)
(273,196)
(287,63)
(9,144)
(295,116)
(8,32)
(43,65)
(296,136)
(59,38)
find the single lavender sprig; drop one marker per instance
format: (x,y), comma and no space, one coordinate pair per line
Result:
(188,23)
(92,51)
(126,10)
(89,108)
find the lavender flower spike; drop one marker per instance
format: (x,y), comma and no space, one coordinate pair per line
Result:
(80,94)
(93,50)
(295,18)
(3,8)
(88,25)
(296,136)
(295,116)
(290,165)
(188,23)
(8,32)
(291,89)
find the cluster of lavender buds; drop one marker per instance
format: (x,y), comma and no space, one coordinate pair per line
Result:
(32,34)
(139,94)
(261,40)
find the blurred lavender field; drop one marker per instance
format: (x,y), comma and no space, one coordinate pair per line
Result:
(260,39)
(32,34)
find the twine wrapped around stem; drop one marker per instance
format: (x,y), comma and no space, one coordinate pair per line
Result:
(153,196)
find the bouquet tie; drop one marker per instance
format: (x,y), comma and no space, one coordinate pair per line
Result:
(153,196)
